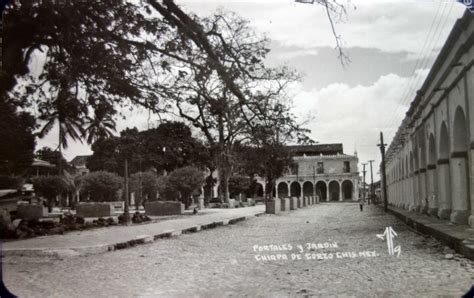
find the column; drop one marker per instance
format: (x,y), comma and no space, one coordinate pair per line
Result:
(444,190)
(459,191)
(416,206)
(432,190)
(471,183)
(327,192)
(423,199)
(341,197)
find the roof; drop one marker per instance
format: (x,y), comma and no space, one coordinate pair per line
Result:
(324,149)
(42,163)
(80,160)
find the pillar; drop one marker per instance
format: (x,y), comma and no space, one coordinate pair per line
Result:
(459,191)
(432,190)
(276,190)
(444,189)
(327,192)
(471,184)
(416,195)
(423,199)
(341,197)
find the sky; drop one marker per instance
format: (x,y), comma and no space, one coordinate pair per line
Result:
(391,46)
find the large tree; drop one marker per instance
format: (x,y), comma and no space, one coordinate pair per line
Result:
(17,139)
(230,111)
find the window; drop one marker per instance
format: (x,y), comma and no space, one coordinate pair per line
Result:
(347,167)
(320,168)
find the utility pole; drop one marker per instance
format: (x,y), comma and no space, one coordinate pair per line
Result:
(384,177)
(363,181)
(372,192)
(126,213)
(314,185)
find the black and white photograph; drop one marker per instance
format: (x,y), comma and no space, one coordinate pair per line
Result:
(237,148)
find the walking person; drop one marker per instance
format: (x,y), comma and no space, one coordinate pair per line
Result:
(361,204)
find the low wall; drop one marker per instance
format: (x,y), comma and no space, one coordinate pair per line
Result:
(285,204)
(159,208)
(273,207)
(27,211)
(96,209)
(299,202)
(293,203)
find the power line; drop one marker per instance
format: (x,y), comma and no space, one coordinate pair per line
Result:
(406,94)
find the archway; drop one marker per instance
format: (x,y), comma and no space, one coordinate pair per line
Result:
(282,190)
(334,191)
(259,191)
(458,166)
(295,189)
(308,189)
(321,190)
(347,189)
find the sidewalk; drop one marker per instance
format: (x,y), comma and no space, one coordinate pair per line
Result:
(458,237)
(116,237)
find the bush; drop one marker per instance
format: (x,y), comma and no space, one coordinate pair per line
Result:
(10,182)
(144,185)
(101,186)
(166,191)
(186,180)
(49,187)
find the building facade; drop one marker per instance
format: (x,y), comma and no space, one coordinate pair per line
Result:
(320,170)
(429,164)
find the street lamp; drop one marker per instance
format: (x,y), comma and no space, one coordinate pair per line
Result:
(126,211)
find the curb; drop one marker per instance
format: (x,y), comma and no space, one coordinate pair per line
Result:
(459,244)
(138,240)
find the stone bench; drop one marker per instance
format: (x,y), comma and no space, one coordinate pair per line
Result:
(95,209)
(293,203)
(285,204)
(273,207)
(161,208)
(27,211)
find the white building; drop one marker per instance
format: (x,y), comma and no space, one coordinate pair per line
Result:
(430,166)
(322,170)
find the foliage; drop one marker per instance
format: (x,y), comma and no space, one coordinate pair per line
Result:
(165,190)
(10,182)
(186,180)
(94,57)
(18,141)
(239,184)
(145,186)
(54,157)
(49,186)
(165,148)
(101,186)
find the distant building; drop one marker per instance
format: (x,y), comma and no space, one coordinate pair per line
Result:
(323,170)
(80,164)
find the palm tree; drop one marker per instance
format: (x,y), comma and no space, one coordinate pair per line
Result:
(66,110)
(102,125)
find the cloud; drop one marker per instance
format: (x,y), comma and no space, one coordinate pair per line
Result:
(355,116)
(390,26)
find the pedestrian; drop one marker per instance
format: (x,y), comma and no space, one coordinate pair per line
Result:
(361,204)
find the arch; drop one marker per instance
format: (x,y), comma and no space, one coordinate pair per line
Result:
(282,190)
(295,189)
(431,150)
(347,190)
(460,138)
(321,190)
(267,190)
(443,142)
(334,190)
(259,191)
(308,190)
